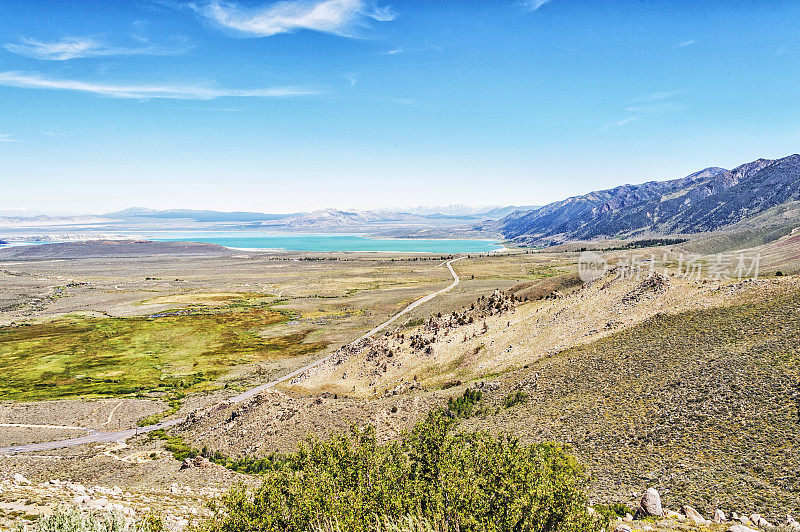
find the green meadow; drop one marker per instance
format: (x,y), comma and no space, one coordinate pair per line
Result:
(178,350)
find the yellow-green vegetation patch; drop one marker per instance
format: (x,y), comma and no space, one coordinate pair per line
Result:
(206,298)
(77,355)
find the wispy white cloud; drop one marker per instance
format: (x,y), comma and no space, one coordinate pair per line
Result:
(185,92)
(533,5)
(623,122)
(684,44)
(77,47)
(656,96)
(650,104)
(339,17)
(5,137)
(627,120)
(402,101)
(656,107)
(413,50)
(352,79)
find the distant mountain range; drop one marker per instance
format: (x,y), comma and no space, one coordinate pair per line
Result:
(195,215)
(489,212)
(442,222)
(762,196)
(325,218)
(708,200)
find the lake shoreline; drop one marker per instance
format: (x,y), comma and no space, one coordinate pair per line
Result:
(297,242)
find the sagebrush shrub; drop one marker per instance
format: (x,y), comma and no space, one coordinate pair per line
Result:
(435,475)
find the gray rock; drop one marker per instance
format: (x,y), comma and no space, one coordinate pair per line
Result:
(98,504)
(693,515)
(760,521)
(763,523)
(740,528)
(198,461)
(622,528)
(650,505)
(719,516)
(20,480)
(80,500)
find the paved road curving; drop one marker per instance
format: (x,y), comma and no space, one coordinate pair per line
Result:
(95,436)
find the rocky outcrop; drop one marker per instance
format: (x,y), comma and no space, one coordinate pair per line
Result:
(198,461)
(760,521)
(741,528)
(650,505)
(20,480)
(693,515)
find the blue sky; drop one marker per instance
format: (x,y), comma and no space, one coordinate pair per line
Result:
(298,105)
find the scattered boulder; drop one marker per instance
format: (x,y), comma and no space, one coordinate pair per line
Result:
(98,504)
(114,507)
(198,461)
(80,500)
(20,480)
(741,528)
(761,522)
(671,514)
(628,518)
(791,523)
(622,528)
(719,516)
(693,515)
(650,505)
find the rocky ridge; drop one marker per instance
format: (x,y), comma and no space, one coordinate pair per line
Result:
(709,200)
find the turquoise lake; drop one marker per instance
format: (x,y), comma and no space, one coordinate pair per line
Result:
(329,243)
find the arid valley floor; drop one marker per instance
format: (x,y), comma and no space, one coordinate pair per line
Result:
(686,384)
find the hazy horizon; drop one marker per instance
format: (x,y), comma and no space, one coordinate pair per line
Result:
(301,105)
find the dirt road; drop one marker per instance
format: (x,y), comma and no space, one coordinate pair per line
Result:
(94,436)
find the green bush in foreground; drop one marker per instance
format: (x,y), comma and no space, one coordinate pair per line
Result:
(434,475)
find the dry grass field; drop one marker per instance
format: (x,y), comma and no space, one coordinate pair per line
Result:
(164,326)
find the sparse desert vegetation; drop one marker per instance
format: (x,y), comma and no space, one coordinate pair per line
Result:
(646,381)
